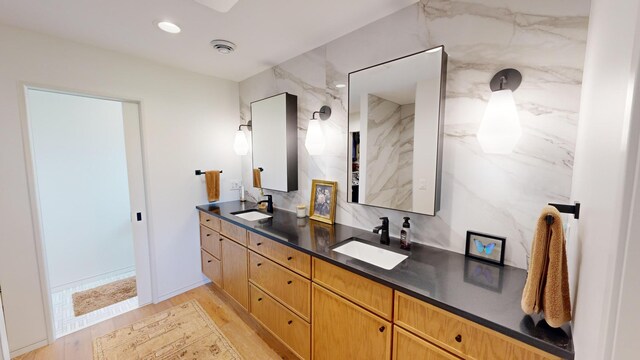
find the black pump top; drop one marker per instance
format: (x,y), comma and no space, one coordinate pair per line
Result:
(406,222)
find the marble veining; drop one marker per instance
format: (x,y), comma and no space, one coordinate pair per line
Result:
(495,194)
(389,154)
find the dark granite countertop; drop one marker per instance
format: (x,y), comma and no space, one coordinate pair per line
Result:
(484,293)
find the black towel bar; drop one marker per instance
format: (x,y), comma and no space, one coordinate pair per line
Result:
(566,209)
(200,172)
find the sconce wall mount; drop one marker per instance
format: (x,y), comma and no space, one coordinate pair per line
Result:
(506,79)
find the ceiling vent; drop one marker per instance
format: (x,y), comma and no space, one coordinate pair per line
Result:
(223,46)
(218,5)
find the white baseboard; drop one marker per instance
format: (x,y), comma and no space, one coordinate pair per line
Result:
(93,278)
(28,348)
(180,291)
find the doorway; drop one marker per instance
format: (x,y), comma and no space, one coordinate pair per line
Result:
(88,186)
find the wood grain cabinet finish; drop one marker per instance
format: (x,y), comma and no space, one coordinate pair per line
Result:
(209,221)
(280,321)
(284,255)
(234,271)
(343,330)
(289,288)
(211,268)
(234,232)
(369,294)
(210,241)
(458,335)
(407,346)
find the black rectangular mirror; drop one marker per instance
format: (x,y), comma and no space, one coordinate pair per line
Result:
(274,137)
(396,112)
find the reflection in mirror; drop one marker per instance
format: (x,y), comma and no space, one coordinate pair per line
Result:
(395,132)
(274,136)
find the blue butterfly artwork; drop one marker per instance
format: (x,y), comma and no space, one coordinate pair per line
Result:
(481,247)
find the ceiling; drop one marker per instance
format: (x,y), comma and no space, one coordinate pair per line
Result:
(266,32)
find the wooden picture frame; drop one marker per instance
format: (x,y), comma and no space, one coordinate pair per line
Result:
(485,247)
(324,195)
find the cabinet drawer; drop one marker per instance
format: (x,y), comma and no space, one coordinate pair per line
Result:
(407,346)
(282,254)
(209,221)
(287,326)
(288,287)
(233,232)
(369,294)
(458,335)
(344,330)
(211,268)
(210,241)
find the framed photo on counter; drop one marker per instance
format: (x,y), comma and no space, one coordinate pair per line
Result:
(323,201)
(485,247)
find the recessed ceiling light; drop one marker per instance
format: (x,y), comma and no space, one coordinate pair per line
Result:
(223,46)
(340,86)
(169,27)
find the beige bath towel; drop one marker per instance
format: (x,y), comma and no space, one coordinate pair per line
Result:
(547,285)
(257,178)
(212,178)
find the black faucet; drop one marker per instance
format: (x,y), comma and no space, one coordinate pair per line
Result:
(269,202)
(384,237)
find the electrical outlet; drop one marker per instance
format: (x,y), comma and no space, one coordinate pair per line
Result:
(236,185)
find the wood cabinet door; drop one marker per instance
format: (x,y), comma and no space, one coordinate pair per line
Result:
(234,271)
(407,346)
(343,330)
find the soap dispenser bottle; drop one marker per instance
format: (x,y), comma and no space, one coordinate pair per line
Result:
(405,235)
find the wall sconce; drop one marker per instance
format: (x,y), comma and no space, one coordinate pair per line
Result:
(240,144)
(500,128)
(314,142)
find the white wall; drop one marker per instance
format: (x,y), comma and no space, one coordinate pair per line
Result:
(188,121)
(79,155)
(603,175)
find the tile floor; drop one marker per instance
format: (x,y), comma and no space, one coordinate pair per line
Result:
(64,320)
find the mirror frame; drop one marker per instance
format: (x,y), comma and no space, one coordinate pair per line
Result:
(443,91)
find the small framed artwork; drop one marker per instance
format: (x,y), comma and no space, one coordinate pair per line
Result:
(485,247)
(323,201)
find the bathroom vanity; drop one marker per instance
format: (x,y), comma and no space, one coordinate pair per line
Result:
(326,305)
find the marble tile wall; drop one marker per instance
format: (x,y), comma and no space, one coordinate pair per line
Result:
(496,194)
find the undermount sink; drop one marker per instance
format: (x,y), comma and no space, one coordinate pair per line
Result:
(251,215)
(371,254)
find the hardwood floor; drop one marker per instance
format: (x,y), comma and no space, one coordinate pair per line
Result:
(251,340)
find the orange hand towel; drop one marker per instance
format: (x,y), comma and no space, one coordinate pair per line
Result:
(212,178)
(547,285)
(257,179)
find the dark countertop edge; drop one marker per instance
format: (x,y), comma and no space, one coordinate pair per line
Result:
(537,343)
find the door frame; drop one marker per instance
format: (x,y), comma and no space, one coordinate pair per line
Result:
(144,256)
(4,345)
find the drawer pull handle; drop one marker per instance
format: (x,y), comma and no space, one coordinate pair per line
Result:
(289,322)
(207,220)
(258,244)
(459,338)
(289,282)
(208,234)
(290,258)
(209,261)
(258,264)
(259,299)
(382,328)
